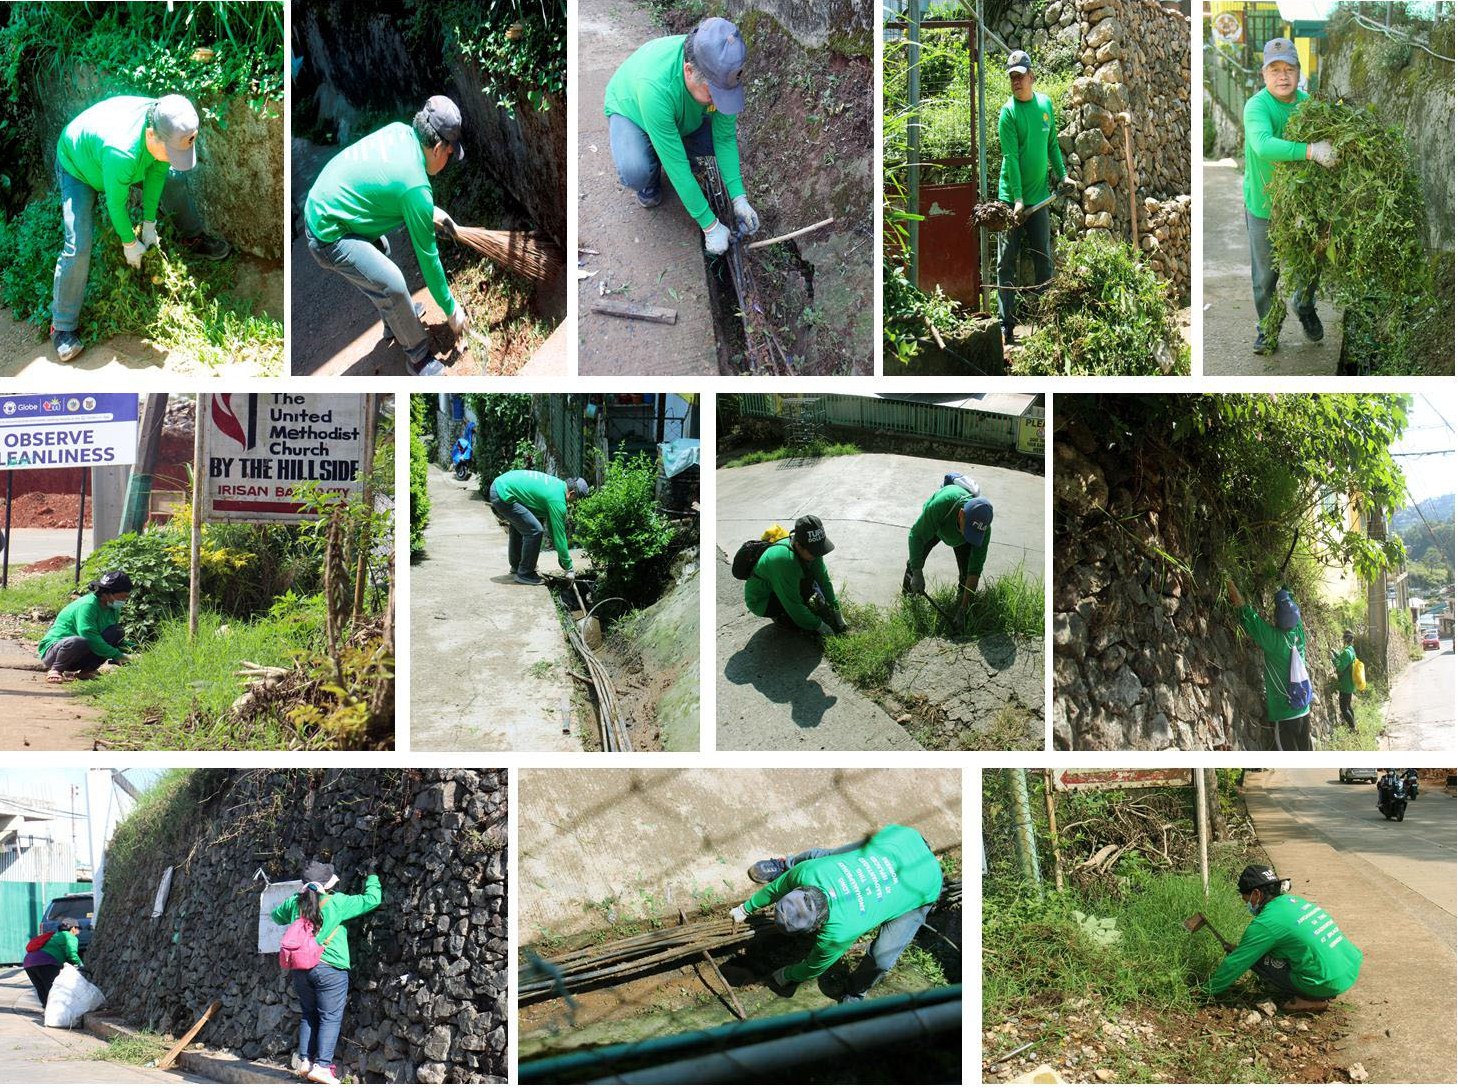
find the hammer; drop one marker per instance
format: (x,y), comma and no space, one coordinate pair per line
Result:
(1196,922)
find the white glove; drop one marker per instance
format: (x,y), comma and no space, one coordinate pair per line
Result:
(458,321)
(1018,209)
(747,217)
(1068,185)
(149,234)
(134,251)
(716,239)
(779,977)
(824,629)
(1322,153)
(571,576)
(444,224)
(738,915)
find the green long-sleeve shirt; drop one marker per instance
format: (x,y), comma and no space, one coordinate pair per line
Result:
(894,872)
(546,497)
(86,617)
(1028,132)
(105,146)
(373,186)
(335,910)
(1265,121)
(63,947)
(938,521)
(778,573)
(1342,661)
(1323,962)
(1276,646)
(648,89)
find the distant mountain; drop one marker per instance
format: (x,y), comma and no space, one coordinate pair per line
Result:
(1435,510)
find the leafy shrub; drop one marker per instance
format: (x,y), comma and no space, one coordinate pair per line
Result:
(621,529)
(419,472)
(517,47)
(159,581)
(503,420)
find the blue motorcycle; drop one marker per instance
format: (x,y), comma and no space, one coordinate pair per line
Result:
(463,451)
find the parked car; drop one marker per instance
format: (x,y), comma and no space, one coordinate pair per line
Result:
(1430,640)
(1357,774)
(81,907)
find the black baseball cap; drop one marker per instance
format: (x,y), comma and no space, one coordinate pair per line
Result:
(811,533)
(1257,876)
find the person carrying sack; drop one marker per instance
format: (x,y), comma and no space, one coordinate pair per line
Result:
(315,952)
(47,953)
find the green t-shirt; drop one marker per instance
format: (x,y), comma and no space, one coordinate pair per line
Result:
(86,617)
(648,89)
(1275,646)
(105,146)
(938,521)
(335,910)
(894,872)
(373,186)
(1323,962)
(778,573)
(1265,121)
(1342,661)
(63,947)
(1029,135)
(546,497)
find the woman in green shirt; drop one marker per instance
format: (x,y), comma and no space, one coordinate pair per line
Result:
(88,631)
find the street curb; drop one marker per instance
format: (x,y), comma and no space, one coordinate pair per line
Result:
(217,1068)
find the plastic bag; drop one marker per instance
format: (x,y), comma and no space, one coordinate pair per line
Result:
(71,998)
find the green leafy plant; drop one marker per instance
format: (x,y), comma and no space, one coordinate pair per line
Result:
(503,421)
(622,531)
(517,48)
(159,581)
(420,424)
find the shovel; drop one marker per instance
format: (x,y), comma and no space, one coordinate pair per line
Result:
(1196,922)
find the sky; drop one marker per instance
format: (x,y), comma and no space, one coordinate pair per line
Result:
(54,788)
(1427,430)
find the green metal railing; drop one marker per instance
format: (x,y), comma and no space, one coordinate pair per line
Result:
(1229,82)
(911,418)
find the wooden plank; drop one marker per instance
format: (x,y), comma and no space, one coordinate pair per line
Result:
(170,1058)
(635,312)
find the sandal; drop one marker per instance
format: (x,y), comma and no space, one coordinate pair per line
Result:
(55,676)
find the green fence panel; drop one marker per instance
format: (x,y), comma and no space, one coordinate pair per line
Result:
(22,903)
(966,426)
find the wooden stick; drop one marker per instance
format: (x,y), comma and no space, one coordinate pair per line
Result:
(1133,190)
(733,999)
(792,234)
(935,334)
(634,312)
(170,1058)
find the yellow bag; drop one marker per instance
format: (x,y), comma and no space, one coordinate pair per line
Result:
(1359,675)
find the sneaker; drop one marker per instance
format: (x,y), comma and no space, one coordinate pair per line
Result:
(1311,326)
(650,196)
(207,246)
(431,368)
(846,999)
(1009,338)
(388,336)
(1261,347)
(762,872)
(299,1065)
(322,1074)
(67,344)
(532,579)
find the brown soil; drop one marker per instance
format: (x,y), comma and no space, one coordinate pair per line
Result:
(37,510)
(48,566)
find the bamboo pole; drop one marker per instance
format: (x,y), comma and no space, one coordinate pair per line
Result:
(199,482)
(792,234)
(1053,829)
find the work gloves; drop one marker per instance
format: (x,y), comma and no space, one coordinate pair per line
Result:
(779,977)
(914,582)
(838,622)
(1018,210)
(1068,186)
(444,224)
(459,322)
(824,630)
(571,576)
(746,216)
(1322,153)
(149,234)
(716,239)
(739,916)
(134,251)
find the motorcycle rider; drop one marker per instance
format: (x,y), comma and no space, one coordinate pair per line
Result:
(1410,780)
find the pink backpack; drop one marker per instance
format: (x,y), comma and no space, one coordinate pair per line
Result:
(298,950)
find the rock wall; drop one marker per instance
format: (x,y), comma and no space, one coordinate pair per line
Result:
(814,23)
(427,987)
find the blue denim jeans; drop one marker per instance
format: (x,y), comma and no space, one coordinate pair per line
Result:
(361,262)
(524,533)
(78,221)
(633,154)
(322,991)
(1033,232)
(1263,272)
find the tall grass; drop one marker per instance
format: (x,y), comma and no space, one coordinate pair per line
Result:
(818,448)
(48,592)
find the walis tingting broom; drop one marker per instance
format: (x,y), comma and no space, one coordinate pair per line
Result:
(524,252)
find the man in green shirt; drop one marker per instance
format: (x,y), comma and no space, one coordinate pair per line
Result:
(1266,115)
(1294,947)
(527,501)
(1028,130)
(1291,723)
(790,585)
(371,188)
(119,142)
(890,879)
(1342,661)
(678,97)
(88,632)
(960,518)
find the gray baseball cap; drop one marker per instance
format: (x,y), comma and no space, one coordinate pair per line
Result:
(1019,62)
(175,123)
(444,118)
(1280,49)
(580,486)
(801,911)
(719,53)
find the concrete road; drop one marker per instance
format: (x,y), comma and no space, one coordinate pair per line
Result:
(868,502)
(33,545)
(1420,713)
(488,659)
(1391,888)
(1230,317)
(31,1053)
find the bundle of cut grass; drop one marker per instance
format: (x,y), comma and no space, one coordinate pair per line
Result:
(1356,229)
(1105,312)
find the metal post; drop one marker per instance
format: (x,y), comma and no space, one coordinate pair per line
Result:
(81,522)
(1202,829)
(913,137)
(9,499)
(1053,829)
(1027,845)
(199,482)
(982,143)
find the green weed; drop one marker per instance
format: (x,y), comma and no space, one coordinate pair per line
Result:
(47,592)
(816,449)
(137,1048)
(1367,736)
(918,958)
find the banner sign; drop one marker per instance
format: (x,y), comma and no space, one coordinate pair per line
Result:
(1120,778)
(68,430)
(260,446)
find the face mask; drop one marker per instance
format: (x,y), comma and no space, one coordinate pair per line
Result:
(1254,910)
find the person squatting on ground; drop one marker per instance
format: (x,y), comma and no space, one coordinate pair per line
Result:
(1266,114)
(1293,946)
(43,965)
(890,879)
(1342,661)
(674,99)
(790,585)
(368,190)
(88,632)
(323,989)
(1027,125)
(1287,710)
(960,518)
(122,141)
(527,501)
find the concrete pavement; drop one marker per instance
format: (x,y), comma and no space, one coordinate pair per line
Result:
(1391,888)
(1420,713)
(488,659)
(38,716)
(868,502)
